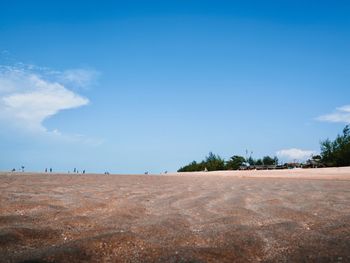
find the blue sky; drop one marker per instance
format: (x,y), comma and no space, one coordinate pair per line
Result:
(134,86)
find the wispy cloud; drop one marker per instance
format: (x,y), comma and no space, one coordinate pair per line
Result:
(79,77)
(295,154)
(341,114)
(29,95)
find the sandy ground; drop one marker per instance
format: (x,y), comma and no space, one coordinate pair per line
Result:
(249,216)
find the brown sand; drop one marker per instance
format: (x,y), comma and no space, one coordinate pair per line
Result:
(270,216)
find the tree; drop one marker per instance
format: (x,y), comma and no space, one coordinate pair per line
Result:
(259,162)
(191,167)
(337,152)
(235,162)
(267,160)
(251,161)
(214,162)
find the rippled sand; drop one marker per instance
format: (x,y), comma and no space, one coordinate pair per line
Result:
(269,216)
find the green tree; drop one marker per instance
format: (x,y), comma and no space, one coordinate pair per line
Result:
(235,162)
(337,152)
(251,161)
(214,162)
(191,167)
(267,160)
(259,162)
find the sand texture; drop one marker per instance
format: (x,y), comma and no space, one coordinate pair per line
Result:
(249,216)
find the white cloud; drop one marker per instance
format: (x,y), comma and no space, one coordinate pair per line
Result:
(27,97)
(341,114)
(79,77)
(295,154)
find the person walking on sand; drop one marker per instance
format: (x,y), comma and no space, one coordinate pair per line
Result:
(50,170)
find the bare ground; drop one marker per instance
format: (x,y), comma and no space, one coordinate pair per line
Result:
(268,216)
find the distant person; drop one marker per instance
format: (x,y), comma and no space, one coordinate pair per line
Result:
(74,170)
(22,168)
(50,170)
(83,171)
(45,170)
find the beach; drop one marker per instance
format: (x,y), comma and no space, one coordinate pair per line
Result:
(229,216)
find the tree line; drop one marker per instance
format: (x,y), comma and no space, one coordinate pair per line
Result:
(337,152)
(333,154)
(214,162)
